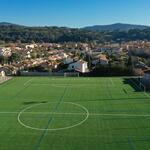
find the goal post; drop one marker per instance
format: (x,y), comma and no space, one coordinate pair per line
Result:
(71,74)
(142,87)
(141,84)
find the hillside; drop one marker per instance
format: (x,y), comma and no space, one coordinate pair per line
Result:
(117,26)
(17,33)
(7,24)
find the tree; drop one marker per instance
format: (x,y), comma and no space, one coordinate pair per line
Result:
(89,60)
(15,57)
(2,59)
(129,62)
(33,55)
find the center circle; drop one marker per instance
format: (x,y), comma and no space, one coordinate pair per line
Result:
(53,116)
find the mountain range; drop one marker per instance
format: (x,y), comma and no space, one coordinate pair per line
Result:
(9,24)
(112,27)
(52,34)
(116,26)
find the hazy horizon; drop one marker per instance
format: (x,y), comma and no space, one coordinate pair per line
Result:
(73,27)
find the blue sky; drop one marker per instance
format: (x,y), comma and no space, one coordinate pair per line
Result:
(74,13)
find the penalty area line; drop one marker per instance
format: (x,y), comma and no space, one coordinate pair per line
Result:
(112,83)
(28,81)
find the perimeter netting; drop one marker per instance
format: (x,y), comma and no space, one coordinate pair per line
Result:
(139,84)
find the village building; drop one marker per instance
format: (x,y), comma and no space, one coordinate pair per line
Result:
(4,71)
(31,46)
(68,60)
(2,74)
(100,59)
(79,66)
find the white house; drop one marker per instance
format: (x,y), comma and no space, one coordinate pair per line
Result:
(31,46)
(80,66)
(28,54)
(5,52)
(2,73)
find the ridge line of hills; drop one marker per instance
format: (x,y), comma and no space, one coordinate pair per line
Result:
(111,27)
(52,34)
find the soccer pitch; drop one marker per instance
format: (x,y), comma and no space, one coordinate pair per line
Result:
(49,113)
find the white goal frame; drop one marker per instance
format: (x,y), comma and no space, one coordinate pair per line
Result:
(142,86)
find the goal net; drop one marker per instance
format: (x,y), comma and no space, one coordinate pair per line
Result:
(71,74)
(137,82)
(142,87)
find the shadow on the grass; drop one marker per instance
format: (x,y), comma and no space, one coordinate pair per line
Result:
(134,83)
(33,102)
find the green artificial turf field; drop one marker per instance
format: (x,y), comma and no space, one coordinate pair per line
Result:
(46,113)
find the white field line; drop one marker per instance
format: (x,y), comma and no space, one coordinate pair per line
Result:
(58,85)
(111,81)
(53,85)
(80,114)
(36,84)
(28,81)
(139,88)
